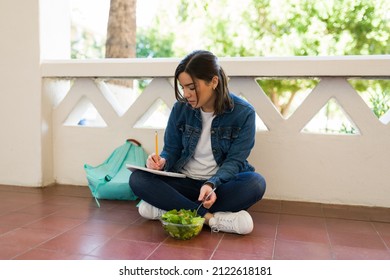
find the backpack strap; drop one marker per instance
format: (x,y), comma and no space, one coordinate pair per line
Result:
(134,141)
(117,159)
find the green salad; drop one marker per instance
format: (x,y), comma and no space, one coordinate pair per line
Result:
(182,224)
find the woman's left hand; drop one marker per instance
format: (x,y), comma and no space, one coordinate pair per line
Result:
(205,190)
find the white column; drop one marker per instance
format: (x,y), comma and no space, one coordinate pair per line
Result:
(55,27)
(25,129)
(20,94)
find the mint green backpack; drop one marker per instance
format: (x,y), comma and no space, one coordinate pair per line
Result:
(110,180)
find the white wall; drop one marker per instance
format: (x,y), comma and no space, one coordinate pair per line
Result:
(24,121)
(20,94)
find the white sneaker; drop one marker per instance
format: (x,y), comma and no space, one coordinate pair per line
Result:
(237,222)
(149,211)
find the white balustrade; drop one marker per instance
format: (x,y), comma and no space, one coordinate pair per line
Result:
(300,166)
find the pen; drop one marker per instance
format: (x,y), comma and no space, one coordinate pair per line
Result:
(213,190)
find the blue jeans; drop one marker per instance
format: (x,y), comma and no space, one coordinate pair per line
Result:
(169,193)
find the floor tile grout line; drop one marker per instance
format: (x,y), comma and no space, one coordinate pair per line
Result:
(216,247)
(380,237)
(47,240)
(68,230)
(109,238)
(25,226)
(276,235)
(332,252)
(18,209)
(155,249)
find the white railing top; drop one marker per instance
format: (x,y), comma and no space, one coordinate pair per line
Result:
(332,66)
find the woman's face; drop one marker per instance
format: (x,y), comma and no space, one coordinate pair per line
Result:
(199,93)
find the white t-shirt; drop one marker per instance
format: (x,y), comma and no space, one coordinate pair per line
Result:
(202,165)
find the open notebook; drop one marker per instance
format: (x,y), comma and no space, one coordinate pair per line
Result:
(158,172)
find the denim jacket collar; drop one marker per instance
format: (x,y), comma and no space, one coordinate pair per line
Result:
(232,138)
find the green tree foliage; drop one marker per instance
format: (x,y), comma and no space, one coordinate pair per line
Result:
(150,43)
(376,93)
(273,28)
(300,28)
(380,101)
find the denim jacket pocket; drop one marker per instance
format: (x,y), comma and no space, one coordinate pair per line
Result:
(189,135)
(227,135)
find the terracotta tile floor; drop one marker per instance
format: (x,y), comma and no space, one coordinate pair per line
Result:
(64,222)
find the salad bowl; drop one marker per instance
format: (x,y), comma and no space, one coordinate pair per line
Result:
(182,224)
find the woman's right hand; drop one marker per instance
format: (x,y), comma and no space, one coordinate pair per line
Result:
(155,162)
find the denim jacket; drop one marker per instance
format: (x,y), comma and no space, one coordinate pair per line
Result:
(232,138)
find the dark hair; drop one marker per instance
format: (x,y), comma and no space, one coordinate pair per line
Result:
(203,65)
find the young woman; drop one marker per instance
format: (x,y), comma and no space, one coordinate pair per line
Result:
(209,136)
